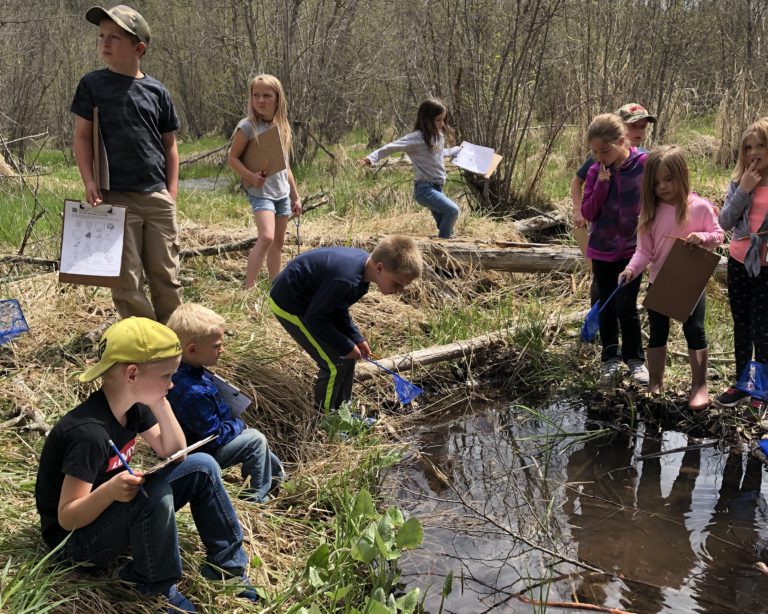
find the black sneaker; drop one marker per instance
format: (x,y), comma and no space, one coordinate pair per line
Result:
(731,397)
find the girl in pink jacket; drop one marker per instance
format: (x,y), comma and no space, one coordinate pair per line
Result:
(669,211)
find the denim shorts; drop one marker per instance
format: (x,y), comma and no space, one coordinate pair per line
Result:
(280,207)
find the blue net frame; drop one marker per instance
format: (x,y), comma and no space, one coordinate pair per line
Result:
(12,320)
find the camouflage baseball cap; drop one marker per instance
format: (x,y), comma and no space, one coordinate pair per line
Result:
(633,112)
(124,16)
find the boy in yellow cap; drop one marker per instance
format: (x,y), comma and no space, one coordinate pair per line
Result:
(84,488)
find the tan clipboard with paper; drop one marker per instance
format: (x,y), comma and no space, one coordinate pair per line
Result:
(92,244)
(264,153)
(681,280)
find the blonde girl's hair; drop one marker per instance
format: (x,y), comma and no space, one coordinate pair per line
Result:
(670,158)
(760,130)
(281,111)
(607,127)
(192,322)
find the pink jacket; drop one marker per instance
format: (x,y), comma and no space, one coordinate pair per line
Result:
(653,247)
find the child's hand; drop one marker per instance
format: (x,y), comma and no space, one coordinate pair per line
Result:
(365,351)
(694,239)
(258,178)
(296,206)
(92,194)
(578,220)
(124,486)
(354,354)
(365,162)
(749,179)
(625,277)
(604,174)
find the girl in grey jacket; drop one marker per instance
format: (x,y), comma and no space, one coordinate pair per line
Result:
(426,148)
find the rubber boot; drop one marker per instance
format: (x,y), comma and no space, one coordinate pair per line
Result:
(699,397)
(656,359)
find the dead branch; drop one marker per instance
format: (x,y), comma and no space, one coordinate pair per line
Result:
(203,155)
(571,605)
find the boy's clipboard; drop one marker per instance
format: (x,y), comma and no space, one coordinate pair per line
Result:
(237,400)
(92,244)
(264,153)
(477,159)
(681,280)
(176,455)
(100,161)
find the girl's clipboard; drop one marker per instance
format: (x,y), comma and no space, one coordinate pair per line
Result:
(681,281)
(264,153)
(92,244)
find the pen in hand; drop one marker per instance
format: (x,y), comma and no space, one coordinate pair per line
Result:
(125,464)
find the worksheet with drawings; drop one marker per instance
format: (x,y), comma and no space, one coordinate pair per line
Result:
(91,243)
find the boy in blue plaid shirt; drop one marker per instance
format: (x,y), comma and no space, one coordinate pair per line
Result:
(201,410)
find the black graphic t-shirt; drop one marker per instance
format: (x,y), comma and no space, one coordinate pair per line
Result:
(78,445)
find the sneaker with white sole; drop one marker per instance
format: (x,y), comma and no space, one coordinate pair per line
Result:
(610,372)
(638,372)
(731,397)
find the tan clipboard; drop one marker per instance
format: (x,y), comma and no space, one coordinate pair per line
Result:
(494,165)
(581,236)
(100,161)
(681,280)
(264,153)
(91,230)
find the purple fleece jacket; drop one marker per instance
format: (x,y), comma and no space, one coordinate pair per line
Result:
(613,208)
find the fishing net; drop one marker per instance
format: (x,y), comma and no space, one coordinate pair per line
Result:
(12,321)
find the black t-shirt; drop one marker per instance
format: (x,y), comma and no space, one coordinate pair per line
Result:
(78,445)
(133,116)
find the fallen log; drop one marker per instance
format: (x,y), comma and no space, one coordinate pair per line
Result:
(537,223)
(452,351)
(516,258)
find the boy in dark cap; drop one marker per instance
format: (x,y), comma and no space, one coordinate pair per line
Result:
(138,127)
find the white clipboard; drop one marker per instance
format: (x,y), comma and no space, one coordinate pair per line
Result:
(177,455)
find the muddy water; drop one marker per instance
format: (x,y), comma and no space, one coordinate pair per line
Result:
(681,530)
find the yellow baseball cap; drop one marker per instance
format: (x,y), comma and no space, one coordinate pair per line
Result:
(135,341)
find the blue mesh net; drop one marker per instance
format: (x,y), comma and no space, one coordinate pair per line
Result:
(12,321)
(406,391)
(754,380)
(591,324)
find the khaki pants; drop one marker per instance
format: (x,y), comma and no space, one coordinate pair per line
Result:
(150,252)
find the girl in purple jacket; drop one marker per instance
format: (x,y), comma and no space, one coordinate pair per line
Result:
(612,205)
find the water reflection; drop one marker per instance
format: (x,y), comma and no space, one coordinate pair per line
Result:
(681,531)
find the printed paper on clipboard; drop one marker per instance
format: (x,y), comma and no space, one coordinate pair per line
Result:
(177,455)
(477,159)
(92,244)
(237,400)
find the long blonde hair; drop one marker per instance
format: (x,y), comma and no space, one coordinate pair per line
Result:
(760,130)
(281,111)
(672,159)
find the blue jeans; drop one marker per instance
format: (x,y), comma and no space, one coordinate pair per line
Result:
(259,463)
(280,207)
(147,526)
(444,210)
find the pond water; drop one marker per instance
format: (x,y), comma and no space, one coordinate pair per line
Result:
(680,531)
